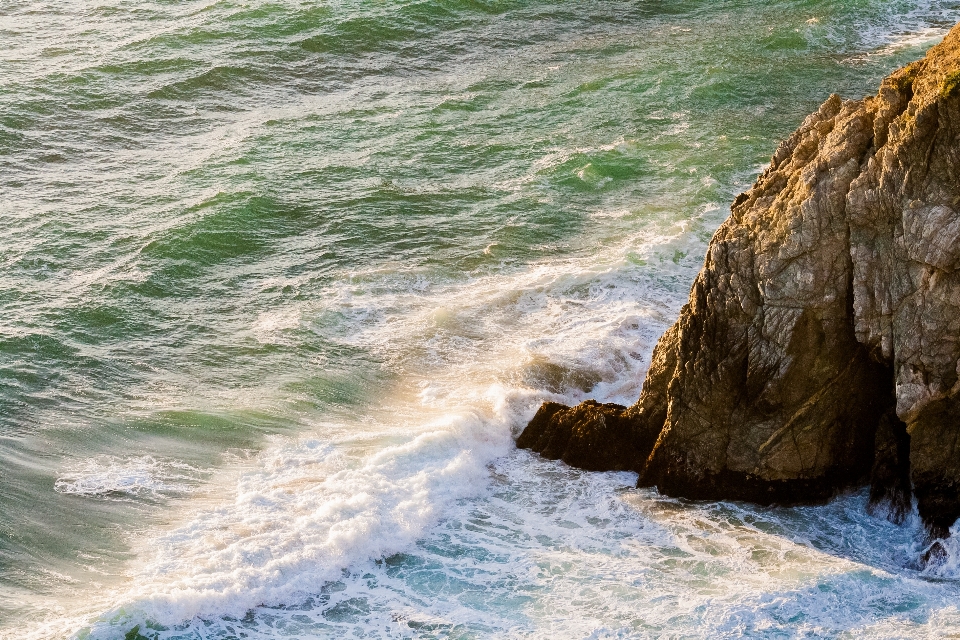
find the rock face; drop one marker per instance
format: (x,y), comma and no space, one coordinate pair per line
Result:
(820,347)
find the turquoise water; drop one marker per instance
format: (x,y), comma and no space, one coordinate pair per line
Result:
(281,281)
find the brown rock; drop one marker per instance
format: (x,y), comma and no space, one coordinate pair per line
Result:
(905,244)
(830,295)
(591,436)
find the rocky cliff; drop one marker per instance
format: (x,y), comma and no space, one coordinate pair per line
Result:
(820,347)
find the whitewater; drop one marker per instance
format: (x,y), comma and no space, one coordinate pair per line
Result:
(282,282)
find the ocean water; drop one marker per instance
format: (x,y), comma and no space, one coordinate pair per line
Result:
(280,283)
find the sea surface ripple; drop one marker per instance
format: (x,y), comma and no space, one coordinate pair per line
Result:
(280,282)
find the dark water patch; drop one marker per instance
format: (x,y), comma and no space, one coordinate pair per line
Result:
(361,35)
(11,142)
(227,226)
(137,70)
(593,171)
(350,611)
(103,324)
(277,19)
(335,390)
(27,356)
(207,35)
(219,80)
(163,431)
(785,38)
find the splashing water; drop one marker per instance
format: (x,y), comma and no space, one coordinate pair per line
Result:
(282,281)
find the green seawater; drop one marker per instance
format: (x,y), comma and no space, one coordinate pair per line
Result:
(279,281)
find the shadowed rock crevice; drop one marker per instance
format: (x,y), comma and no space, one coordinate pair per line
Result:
(890,495)
(820,346)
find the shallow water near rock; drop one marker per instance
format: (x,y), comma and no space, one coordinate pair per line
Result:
(282,281)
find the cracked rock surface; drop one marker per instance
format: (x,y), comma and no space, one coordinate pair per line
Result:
(820,347)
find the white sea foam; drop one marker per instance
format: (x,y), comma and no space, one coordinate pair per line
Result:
(598,313)
(432,525)
(920,27)
(270,326)
(551,552)
(307,512)
(423,521)
(121,477)
(919,38)
(480,357)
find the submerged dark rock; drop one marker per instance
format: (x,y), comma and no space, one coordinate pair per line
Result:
(820,347)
